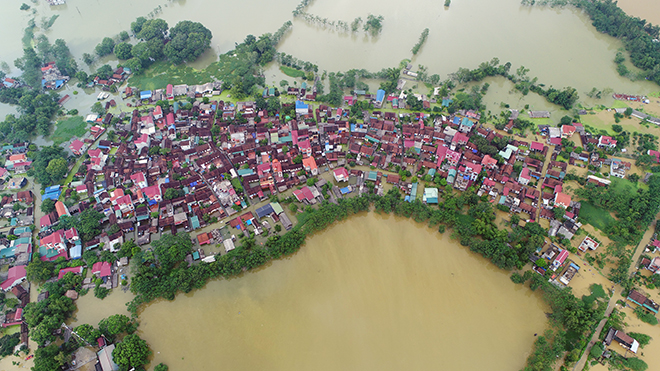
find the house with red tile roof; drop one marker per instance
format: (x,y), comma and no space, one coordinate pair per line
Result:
(524,177)
(153,193)
(567,131)
(74,270)
(77,147)
(102,269)
(341,174)
(562,199)
(15,276)
(139,180)
(606,142)
(310,165)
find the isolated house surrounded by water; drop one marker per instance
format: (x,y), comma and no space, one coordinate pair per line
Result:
(644,302)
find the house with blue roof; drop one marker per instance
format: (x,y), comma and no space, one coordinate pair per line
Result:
(301,108)
(145,94)
(380,97)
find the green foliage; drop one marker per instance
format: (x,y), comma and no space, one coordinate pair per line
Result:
(39,271)
(547,348)
(422,40)
(47,206)
(101,292)
(172,193)
(617,128)
(8,343)
(634,210)
(597,350)
(637,35)
(161,367)
(374,24)
(115,325)
(131,352)
(645,316)
(188,40)
(69,128)
(123,51)
(24,6)
(36,113)
(46,316)
(105,47)
(292,72)
(643,339)
(57,168)
(87,223)
(50,358)
(88,333)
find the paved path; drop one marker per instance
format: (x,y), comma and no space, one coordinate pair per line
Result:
(610,305)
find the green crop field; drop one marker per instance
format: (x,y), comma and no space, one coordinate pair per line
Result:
(596,216)
(74,126)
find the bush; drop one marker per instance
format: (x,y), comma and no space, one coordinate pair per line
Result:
(645,316)
(101,292)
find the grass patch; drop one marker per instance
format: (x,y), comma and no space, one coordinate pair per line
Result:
(74,126)
(625,185)
(596,216)
(292,72)
(162,73)
(597,292)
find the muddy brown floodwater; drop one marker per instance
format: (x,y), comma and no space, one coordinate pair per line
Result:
(370,293)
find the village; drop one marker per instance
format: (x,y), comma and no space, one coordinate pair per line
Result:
(221,170)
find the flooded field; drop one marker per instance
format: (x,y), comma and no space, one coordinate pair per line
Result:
(371,293)
(559,46)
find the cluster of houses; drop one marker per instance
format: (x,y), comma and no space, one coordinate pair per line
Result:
(174,91)
(166,171)
(119,75)
(52,78)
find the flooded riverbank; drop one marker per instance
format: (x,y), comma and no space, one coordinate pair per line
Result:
(369,293)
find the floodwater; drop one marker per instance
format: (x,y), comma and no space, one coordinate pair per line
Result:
(91,309)
(644,9)
(558,45)
(370,293)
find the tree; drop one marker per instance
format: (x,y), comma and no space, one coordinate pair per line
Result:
(38,270)
(172,193)
(298,159)
(123,51)
(117,324)
(136,26)
(47,206)
(633,178)
(57,168)
(24,6)
(88,333)
(161,367)
(49,358)
(188,40)
(132,352)
(617,128)
(104,72)
(274,105)
(88,58)
(152,29)
(106,47)
(30,64)
(374,25)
